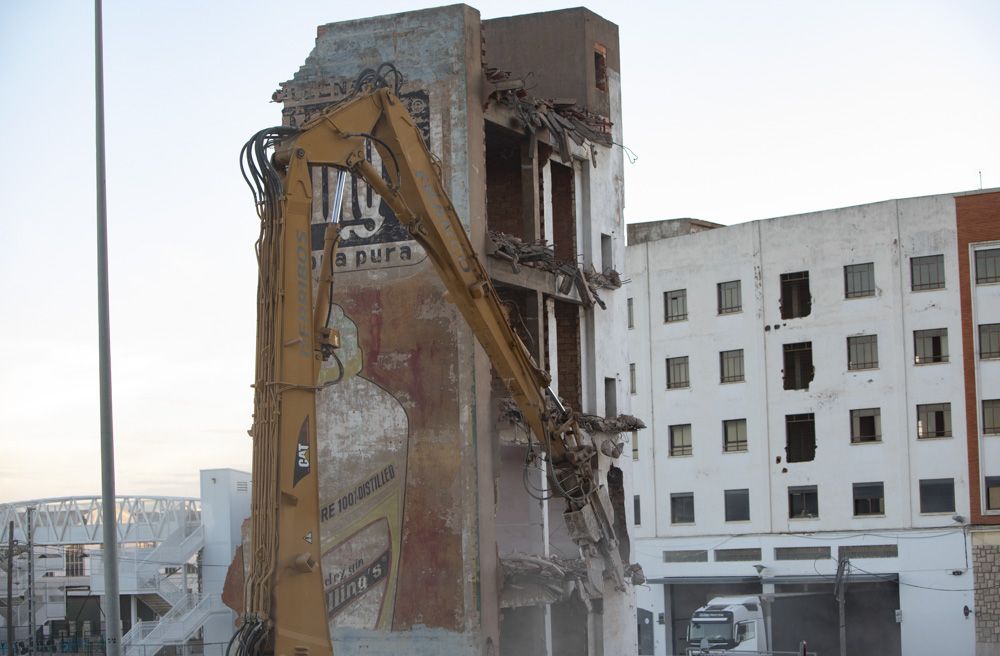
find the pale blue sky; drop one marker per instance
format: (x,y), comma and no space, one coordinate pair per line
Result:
(738,110)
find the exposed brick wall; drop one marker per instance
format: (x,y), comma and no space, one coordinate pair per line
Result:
(503,182)
(563,218)
(568,352)
(986,567)
(977,218)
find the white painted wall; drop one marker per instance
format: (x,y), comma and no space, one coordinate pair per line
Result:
(822,243)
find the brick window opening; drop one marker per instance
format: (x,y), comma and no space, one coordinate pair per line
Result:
(798,372)
(734,435)
(631,378)
(987,266)
(795,299)
(930,346)
(731,366)
(630,305)
(737,505)
(600,67)
(680,440)
(568,351)
(682,508)
(937,495)
(636,510)
(869,499)
(563,212)
(505,199)
(927,272)
(866,425)
(862,352)
(729,297)
(933,420)
(677,373)
(803,502)
(991,417)
(675,305)
(989,341)
(800,438)
(993,492)
(859,280)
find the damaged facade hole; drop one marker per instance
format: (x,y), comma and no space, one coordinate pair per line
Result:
(795,299)
(800,437)
(798,372)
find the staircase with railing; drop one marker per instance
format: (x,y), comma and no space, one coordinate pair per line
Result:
(177,626)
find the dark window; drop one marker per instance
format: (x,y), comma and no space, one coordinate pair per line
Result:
(801,553)
(730,299)
(737,505)
(607,254)
(993,492)
(987,266)
(630,304)
(800,436)
(610,397)
(636,510)
(866,425)
(934,420)
(803,501)
(795,298)
(675,305)
(989,341)
(600,67)
(631,378)
(930,346)
(731,366)
(937,495)
(734,435)
(680,440)
(862,352)
(991,417)
(859,280)
(677,372)
(682,508)
(869,499)
(798,371)
(927,272)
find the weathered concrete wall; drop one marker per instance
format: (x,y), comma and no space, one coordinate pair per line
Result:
(399,449)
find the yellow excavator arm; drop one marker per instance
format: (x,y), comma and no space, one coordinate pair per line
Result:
(285,610)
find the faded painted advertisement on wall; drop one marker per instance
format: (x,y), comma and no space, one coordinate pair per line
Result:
(389,560)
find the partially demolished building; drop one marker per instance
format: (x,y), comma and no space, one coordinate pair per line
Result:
(419,445)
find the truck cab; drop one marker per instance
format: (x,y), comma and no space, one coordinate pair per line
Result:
(728,625)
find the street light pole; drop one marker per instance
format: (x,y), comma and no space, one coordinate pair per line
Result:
(112,603)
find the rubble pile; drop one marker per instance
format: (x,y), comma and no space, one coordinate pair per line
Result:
(540,255)
(619,424)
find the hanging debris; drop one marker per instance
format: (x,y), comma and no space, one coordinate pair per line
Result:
(619,424)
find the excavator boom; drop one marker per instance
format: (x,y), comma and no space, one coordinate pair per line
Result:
(284,595)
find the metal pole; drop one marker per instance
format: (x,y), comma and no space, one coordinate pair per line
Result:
(112,603)
(10,588)
(31,581)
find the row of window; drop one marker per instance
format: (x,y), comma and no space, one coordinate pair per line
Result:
(937,495)
(933,421)
(926,273)
(929,347)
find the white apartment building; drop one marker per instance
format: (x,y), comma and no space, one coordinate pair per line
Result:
(821,387)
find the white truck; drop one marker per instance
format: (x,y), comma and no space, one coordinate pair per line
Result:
(729,625)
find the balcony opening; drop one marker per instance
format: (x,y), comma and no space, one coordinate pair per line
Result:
(568,353)
(798,372)
(795,299)
(600,67)
(504,189)
(800,438)
(563,214)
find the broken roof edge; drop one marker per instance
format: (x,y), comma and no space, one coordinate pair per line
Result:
(640,233)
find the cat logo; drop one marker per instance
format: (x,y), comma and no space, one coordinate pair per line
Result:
(302,453)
